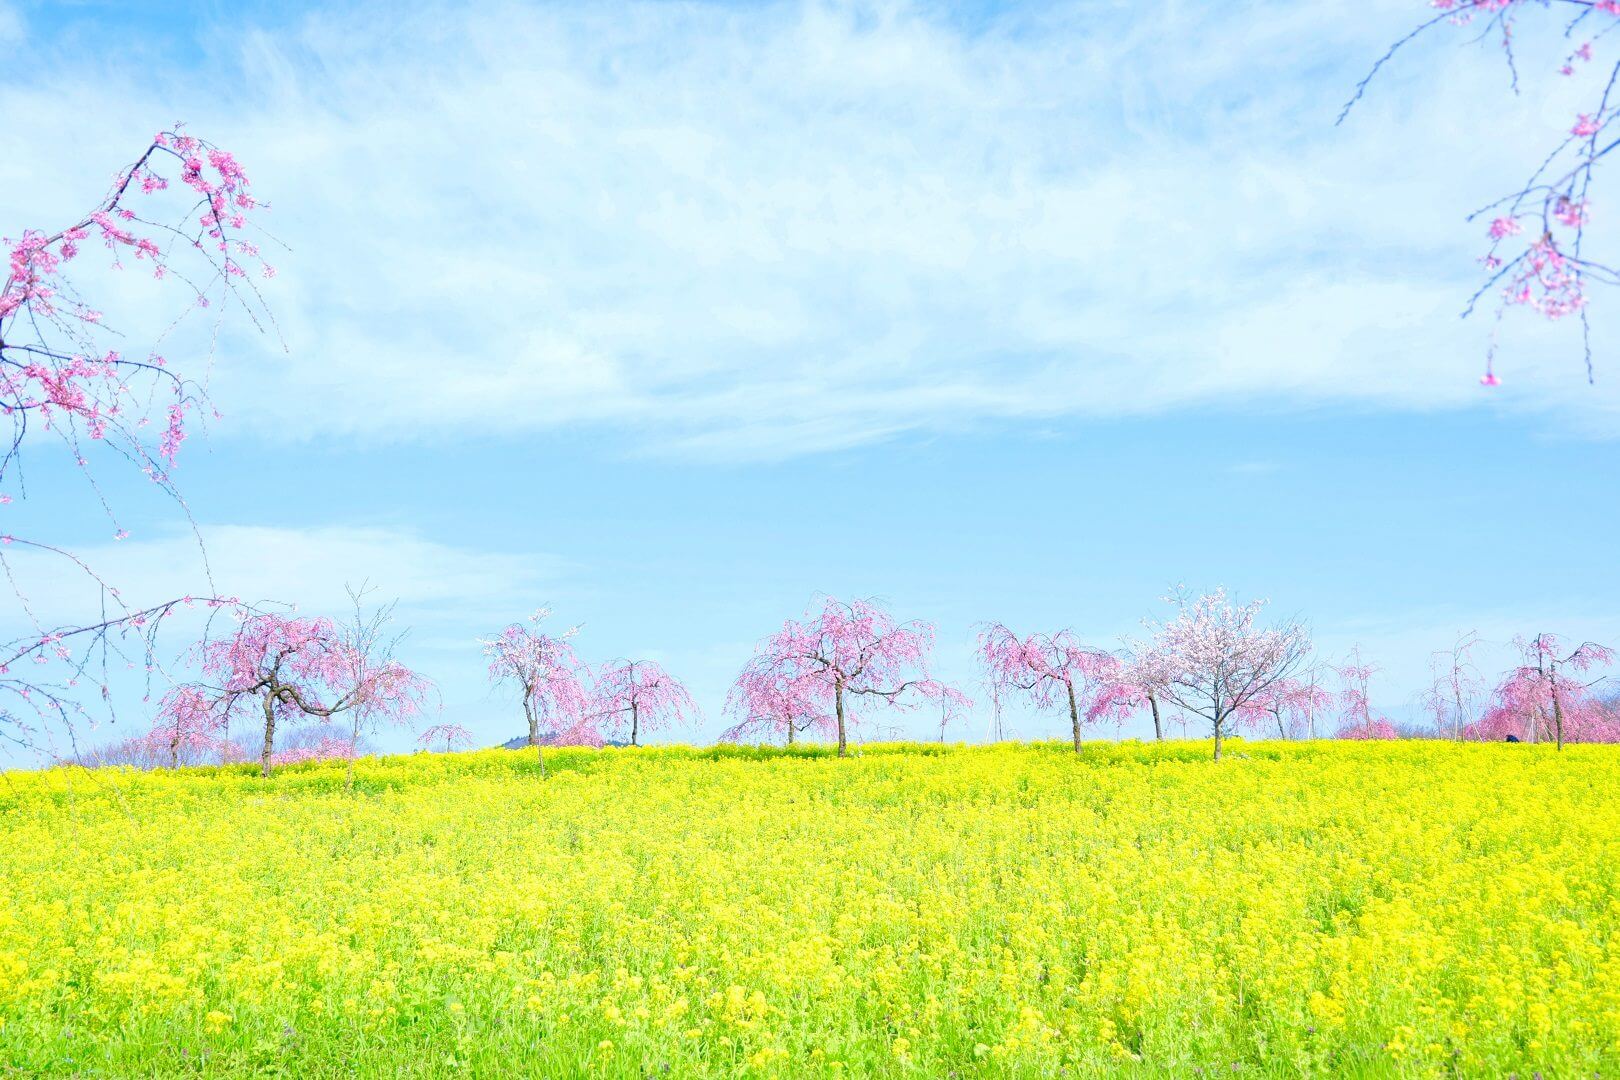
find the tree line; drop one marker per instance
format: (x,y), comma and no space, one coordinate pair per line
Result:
(1211,667)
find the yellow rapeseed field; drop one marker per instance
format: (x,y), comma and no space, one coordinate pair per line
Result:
(1367,909)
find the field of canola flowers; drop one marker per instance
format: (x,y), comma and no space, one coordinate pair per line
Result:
(1365,909)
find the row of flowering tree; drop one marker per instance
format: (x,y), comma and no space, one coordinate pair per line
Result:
(1211,662)
(567,703)
(285,673)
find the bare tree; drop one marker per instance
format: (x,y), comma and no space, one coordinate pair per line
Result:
(1454,687)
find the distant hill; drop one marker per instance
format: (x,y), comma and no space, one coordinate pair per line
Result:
(546,739)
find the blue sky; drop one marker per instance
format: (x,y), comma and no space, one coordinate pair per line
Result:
(676,316)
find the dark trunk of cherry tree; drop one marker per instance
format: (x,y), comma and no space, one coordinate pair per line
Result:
(1558,710)
(1074,718)
(634,722)
(1282,732)
(1217,740)
(791,730)
(1158,727)
(269,734)
(354,748)
(532,712)
(838,703)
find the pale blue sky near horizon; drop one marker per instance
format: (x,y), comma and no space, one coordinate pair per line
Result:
(676,316)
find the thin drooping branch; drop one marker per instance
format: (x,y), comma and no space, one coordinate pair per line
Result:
(66,376)
(1537,233)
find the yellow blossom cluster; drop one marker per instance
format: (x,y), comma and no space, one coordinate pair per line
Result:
(1400,909)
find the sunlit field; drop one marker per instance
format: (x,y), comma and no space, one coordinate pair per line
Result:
(1407,908)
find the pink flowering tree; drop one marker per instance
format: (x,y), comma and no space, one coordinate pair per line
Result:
(68,379)
(1048,670)
(1288,707)
(188,731)
(1357,719)
(1549,697)
(296,669)
(846,653)
(1378,728)
(448,736)
(770,701)
(156,749)
(550,680)
(190,726)
(1536,256)
(1127,684)
(948,704)
(1217,661)
(319,742)
(633,696)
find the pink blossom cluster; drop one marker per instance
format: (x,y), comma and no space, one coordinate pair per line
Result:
(550,678)
(448,737)
(1550,272)
(1378,728)
(634,696)
(1288,709)
(1355,708)
(290,669)
(772,702)
(1547,281)
(326,748)
(1465,10)
(1545,694)
(61,377)
(190,725)
(829,668)
(1055,671)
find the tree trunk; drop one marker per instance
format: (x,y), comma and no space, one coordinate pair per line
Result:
(174,747)
(533,715)
(1282,732)
(354,744)
(269,734)
(1217,740)
(838,703)
(1074,718)
(1558,711)
(791,730)
(635,721)
(1158,727)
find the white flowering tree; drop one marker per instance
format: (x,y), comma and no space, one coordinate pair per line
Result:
(1212,661)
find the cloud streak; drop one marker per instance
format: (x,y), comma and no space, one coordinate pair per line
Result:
(764,231)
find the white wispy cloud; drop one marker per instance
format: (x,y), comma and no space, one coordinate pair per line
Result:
(777,229)
(434,583)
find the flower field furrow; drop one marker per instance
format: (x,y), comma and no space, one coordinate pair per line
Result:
(1372,909)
